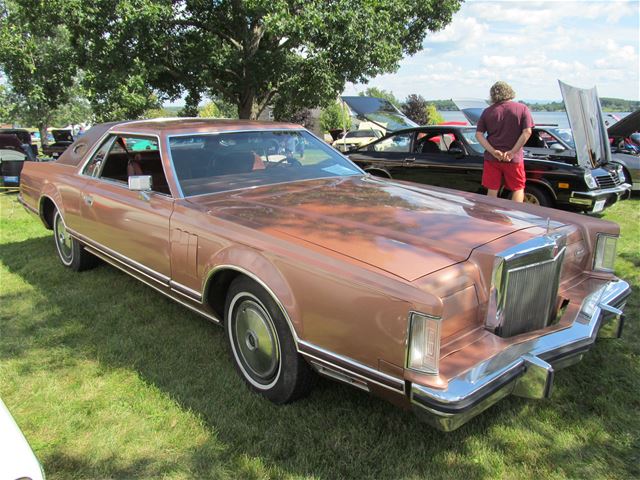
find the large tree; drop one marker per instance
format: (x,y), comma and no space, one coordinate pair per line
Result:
(289,53)
(37,60)
(415,107)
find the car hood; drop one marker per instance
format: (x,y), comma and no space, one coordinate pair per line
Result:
(471,108)
(587,125)
(626,126)
(406,230)
(380,112)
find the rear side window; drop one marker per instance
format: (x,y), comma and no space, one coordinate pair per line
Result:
(121,156)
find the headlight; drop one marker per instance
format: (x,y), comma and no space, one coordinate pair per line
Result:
(591,182)
(424,343)
(621,175)
(605,255)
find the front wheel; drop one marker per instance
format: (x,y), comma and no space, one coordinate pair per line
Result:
(537,196)
(71,252)
(262,345)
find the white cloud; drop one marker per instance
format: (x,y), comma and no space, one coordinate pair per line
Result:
(461,29)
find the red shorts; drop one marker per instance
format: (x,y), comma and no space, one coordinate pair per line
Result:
(513,173)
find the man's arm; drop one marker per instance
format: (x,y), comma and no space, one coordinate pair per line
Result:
(522,139)
(498,155)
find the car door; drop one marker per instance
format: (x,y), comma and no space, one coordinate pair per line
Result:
(389,154)
(131,226)
(443,159)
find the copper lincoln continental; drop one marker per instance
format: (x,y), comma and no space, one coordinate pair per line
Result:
(437,300)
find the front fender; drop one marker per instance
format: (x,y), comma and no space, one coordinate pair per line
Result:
(254,264)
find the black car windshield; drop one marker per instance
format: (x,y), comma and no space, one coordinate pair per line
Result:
(563,134)
(470,136)
(212,163)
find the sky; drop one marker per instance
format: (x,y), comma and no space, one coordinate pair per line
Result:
(530,44)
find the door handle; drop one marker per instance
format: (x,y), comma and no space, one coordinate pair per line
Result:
(88,199)
(410,160)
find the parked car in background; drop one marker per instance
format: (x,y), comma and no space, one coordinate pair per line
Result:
(548,142)
(625,150)
(356,138)
(61,140)
(450,156)
(24,136)
(440,301)
(17,460)
(13,153)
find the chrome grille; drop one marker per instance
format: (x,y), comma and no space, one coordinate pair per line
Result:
(524,286)
(531,293)
(607,181)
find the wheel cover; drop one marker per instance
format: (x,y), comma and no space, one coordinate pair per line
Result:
(530,198)
(63,240)
(255,341)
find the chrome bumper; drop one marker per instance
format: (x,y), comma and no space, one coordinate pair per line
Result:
(525,369)
(589,199)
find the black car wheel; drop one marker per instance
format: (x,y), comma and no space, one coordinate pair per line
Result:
(537,196)
(262,346)
(71,253)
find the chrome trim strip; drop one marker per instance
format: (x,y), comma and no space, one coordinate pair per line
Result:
(606,191)
(186,291)
(123,267)
(28,207)
(479,387)
(140,268)
(370,376)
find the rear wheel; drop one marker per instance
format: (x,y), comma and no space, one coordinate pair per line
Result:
(72,253)
(262,345)
(537,196)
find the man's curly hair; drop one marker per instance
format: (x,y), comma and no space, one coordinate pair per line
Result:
(501,92)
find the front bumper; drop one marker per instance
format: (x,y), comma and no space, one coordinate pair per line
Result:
(525,369)
(595,201)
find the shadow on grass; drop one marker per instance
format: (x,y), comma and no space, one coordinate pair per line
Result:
(589,426)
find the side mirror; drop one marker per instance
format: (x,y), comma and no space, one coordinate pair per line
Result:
(140,183)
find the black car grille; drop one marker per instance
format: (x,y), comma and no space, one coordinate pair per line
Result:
(608,180)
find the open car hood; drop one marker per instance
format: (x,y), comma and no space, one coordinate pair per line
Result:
(587,124)
(380,112)
(62,136)
(626,126)
(471,108)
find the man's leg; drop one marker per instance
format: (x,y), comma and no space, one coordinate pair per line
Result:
(491,178)
(518,196)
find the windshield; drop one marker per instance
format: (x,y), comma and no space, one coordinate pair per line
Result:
(228,161)
(563,134)
(470,136)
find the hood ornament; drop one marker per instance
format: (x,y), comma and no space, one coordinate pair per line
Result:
(548,225)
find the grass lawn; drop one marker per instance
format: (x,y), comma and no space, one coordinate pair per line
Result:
(109,379)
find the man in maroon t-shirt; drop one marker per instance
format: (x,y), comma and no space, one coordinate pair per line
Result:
(508,127)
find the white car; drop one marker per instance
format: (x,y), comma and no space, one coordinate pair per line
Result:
(357,138)
(17,460)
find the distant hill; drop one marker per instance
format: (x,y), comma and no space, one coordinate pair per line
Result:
(608,105)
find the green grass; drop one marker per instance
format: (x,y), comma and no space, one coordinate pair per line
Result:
(109,379)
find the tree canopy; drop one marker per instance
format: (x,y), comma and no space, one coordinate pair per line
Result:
(38,61)
(415,107)
(292,54)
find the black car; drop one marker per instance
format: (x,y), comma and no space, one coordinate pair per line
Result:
(450,156)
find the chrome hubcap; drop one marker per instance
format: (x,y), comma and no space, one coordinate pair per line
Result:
(256,341)
(63,238)
(528,198)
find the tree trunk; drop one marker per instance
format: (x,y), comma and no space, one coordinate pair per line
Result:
(245,107)
(42,128)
